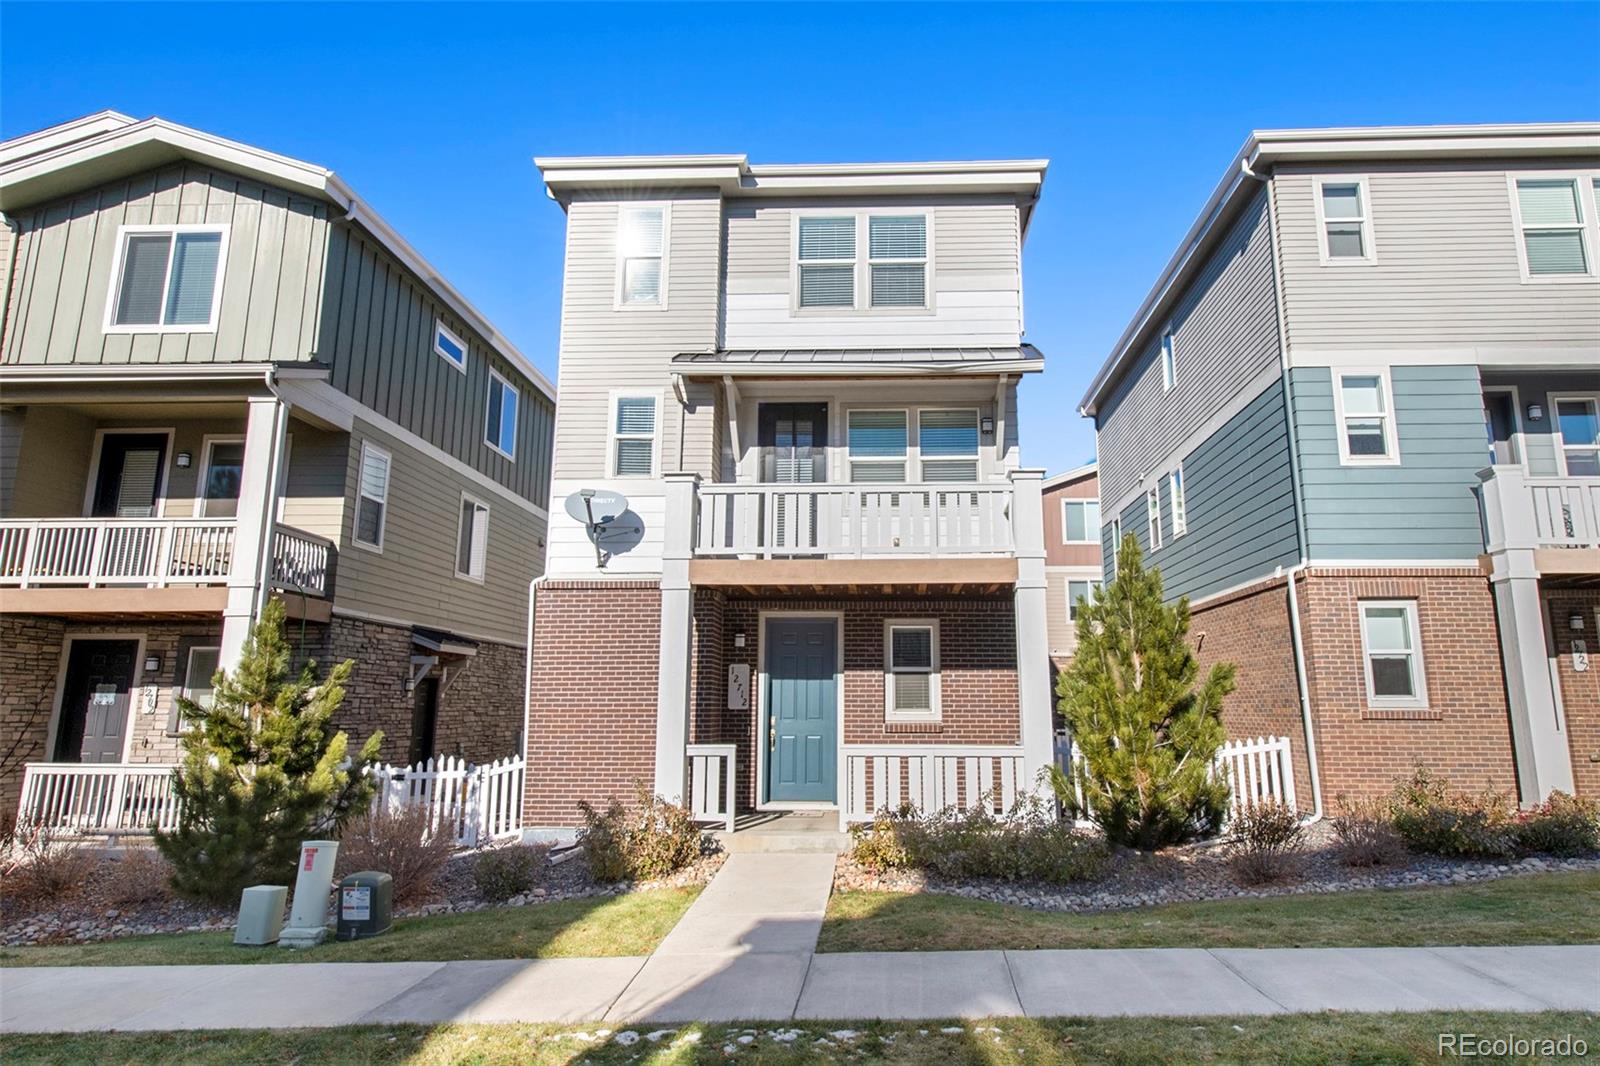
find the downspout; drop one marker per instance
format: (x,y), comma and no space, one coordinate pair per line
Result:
(683,414)
(527,678)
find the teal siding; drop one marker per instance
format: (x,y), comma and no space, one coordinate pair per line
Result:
(1423,508)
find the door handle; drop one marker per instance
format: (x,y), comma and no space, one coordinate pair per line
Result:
(772,733)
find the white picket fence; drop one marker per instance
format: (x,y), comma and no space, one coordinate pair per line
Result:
(929,777)
(471,803)
(1257,770)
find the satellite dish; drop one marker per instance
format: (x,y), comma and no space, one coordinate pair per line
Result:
(597,509)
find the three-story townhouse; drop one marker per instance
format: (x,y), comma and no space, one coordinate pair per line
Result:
(1355,422)
(226,379)
(826,588)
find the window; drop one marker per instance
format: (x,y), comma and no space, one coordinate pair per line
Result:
(1169,365)
(1550,216)
(450,346)
(200,667)
(1346,235)
(877,445)
(642,256)
(1080,521)
(1390,643)
(911,675)
(1116,542)
(1578,426)
(166,279)
(500,416)
(219,478)
(947,442)
(1366,433)
(1080,590)
(828,261)
(633,448)
(372,503)
(472,539)
(1180,512)
(897,255)
(1152,512)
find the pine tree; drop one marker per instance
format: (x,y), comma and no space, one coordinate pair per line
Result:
(262,770)
(1146,734)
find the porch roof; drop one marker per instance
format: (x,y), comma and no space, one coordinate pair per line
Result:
(859,362)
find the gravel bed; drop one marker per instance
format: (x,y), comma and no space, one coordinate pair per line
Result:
(1201,872)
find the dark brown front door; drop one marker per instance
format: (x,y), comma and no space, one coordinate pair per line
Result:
(424,720)
(94,704)
(794,443)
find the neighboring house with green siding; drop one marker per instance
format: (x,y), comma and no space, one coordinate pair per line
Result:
(1355,423)
(226,379)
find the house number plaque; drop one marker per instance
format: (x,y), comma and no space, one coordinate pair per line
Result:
(738,686)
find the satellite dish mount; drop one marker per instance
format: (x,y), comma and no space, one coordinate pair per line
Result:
(599,510)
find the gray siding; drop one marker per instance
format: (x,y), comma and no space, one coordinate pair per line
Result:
(1536,387)
(270,287)
(1446,270)
(1423,508)
(1225,333)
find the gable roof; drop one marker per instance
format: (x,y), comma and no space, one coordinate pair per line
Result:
(1067,477)
(107,146)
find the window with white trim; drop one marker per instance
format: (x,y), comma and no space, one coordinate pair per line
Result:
(449,346)
(1366,422)
(897,260)
(372,496)
(1578,429)
(1180,510)
(472,539)
(1343,212)
(1152,514)
(222,470)
(642,256)
(827,255)
(876,444)
(1550,217)
(1169,363)
(947,444)
(1084,590)
(911,671)
(1116,543)
(1391,647)
(200,670)
(167,278)
(500,416)
(1080,521)
(633,436)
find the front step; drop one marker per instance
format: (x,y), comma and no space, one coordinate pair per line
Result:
(794,832)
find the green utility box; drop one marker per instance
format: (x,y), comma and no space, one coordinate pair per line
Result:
(366,905)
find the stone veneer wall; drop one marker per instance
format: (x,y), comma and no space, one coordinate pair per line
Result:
(1580,692)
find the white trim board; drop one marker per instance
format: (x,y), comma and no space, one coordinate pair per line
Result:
(1493,356)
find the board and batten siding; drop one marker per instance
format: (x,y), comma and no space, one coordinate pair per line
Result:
(1239,502)
(413,578)
(1225,334)
(377,335)
(1424,507)
(67,250)
(1445,271)
(976,287)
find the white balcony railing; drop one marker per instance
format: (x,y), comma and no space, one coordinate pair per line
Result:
(1539,512)
(115,551)
(930,778)
(302,562)
(98,797)
(853,521)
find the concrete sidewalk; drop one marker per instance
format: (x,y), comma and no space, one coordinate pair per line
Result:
(750,984)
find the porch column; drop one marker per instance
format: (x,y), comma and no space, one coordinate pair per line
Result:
(1033,643)
(1544,760)
(265,423)
(677,618)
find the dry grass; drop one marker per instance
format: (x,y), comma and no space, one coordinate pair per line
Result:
(40,868)
(139,875)
(397,843)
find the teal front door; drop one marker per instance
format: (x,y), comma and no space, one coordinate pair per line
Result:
(802,709)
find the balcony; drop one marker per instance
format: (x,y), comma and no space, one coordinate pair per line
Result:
(1556,518)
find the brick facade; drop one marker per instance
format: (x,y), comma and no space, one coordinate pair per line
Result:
(1580,692)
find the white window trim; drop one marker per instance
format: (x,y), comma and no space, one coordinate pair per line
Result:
(187,692)
(1554,415)
(612,436)
(383,518)
(976,457)
(1087,528)
(1519,433)
(488,396)
(1152,517)
(861,263)
(1178,494)
(1420,700)
(466,498)
(1391,420)
(204,472)
(617,302)
(1071,601)
(912,454)
(123,233)
(1116,544)
(936,711)
(1369,242)
(1588,227)
(1168,354)
(100,436)
(924,260)
(438,328)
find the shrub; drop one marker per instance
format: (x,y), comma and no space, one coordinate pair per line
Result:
(1433,818)
(1027,843)
(399,844)
(654,839)
(41,868)
(1365,835)
(1562,825)
(876,846)
(501,873)
(1269,835)
(140,875)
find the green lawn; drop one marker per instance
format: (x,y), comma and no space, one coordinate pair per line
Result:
(1346,1038)
(630,924)
(1541,909)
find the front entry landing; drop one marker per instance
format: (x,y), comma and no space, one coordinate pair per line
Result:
(802,709)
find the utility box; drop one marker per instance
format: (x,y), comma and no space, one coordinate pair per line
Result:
(366,905)
(260,915)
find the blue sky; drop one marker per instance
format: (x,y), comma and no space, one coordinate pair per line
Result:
(434,113)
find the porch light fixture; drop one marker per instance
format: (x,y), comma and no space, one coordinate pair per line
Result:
(152,663)
(183,459)
(986,425)
(1575,622)
(1535,412)
(738,640)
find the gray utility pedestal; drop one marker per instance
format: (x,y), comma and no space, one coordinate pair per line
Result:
(260,915)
